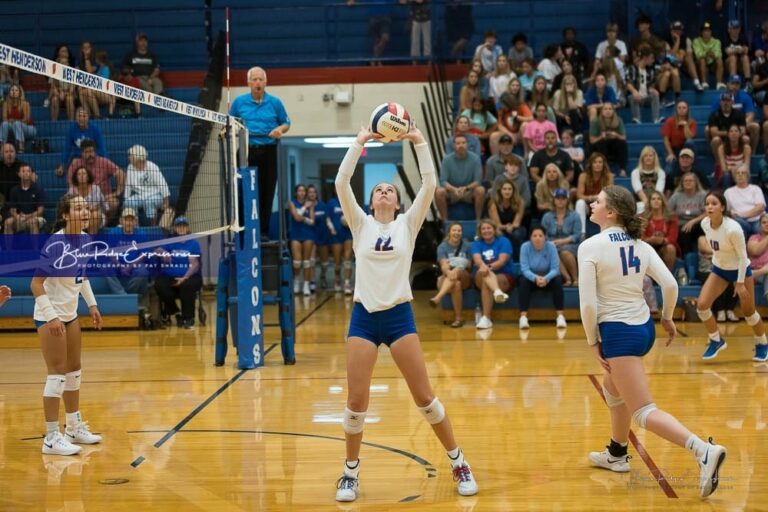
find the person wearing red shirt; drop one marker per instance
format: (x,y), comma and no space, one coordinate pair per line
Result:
(677,130)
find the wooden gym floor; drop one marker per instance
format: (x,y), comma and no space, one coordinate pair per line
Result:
(181,434)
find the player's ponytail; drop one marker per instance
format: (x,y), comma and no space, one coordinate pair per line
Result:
(620,200)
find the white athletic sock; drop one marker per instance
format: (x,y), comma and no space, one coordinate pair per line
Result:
(456,456)
(696,446)
(51,427)
(761,340)
(352,468)
(714,336)
(72,419)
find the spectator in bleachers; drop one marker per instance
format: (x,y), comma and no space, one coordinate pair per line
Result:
(488,52)
(762,177)
(461,175)
(684,164)
(722,306)
(563,228)
(514,171)
(661,229)
(421,28)
(540,94)
(746,202)
(499,79)
(79,131)
(552,181)
(566,68)
(687,203)
(678,131)
(482,122)
(17,118)
(82,184)
(9,175)
(493,271)
(506,208)
(576,153)
(759,44)
(145,186)
(26,205)
(8,76)
(568,103)
(144,65)
(551,154)
(484,84)
(615,73)
(742,102)
(453,259)
(462,126)
(598,95)
(722,119)
(130,270)
(735,49)
(733,153)
(608,136)
(527,75)
(680,52)
(641,79)
(757,248)
(540,269)
(104,66)
(535,131)
(61,92)
(459,26)
(612,39)
(179,276)
(707,51)
(470,90)
(647,176)
(126,78)
(646,36)
(494,166)
(575,52)
(302,217)
(549,66)
(760,84)
(513,116)
(89,98)
(101,170)
(519,51)
(597,174)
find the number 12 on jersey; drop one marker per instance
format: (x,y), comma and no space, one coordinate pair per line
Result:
(628,259)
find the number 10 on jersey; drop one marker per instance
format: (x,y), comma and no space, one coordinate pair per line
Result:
(628,259)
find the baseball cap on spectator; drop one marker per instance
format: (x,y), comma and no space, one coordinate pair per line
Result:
(505,139)
(726,97)
(128,212)
(561,193)
(734,79)
(734,24)
(706,26)
(643,18)
(686,152)
(142,35)
(181,220)
(138,151)
(677,25)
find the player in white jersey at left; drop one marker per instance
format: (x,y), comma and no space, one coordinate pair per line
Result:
(730,263)
(56,292)
(383,242)
(620,330)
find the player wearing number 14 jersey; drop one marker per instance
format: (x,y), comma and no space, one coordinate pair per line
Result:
(620,330)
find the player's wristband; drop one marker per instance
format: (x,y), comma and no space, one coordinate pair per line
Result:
(87,293)
(45,308)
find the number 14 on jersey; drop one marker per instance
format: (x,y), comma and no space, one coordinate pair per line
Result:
(629,260)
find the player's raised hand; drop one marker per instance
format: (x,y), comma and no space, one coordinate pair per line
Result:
(365,134)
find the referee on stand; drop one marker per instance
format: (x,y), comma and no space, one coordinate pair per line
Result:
(266,119)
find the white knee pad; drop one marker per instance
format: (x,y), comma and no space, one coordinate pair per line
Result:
(307,263)
(753,319)
(72,380)
(54,386)
(348,265)
(434,412)
(353,421)
(641,415)
(704,314)
(296,264)
(612,400)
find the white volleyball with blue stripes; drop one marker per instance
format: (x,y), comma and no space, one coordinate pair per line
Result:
(391,121)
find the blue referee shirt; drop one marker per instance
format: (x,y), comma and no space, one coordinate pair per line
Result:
(260,118)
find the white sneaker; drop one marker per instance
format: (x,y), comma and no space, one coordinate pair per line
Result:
(348,487)
(499,297)
(604,459)
(55,444)
(307,291)
(709,465)
(466,482)
(524,322)
(720,316)
(731,316)
(296,286)
(80,434)
(337,286)
(560,322)
(721,86)
(484,323)
(347,288)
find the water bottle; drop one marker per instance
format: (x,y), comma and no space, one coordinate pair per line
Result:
(682,277)
(478,312)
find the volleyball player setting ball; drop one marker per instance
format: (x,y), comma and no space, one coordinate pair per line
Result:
(383,243)
(620,330)
(55,315)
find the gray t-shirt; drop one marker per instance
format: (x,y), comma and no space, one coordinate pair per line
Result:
(687,207)
(461,171)
(456,259)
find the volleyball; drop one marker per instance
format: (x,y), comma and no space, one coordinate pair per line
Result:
(391,121)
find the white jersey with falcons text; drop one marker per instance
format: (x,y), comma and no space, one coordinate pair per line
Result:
(611,270)
(383,252)
(64,290)
(729,251)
